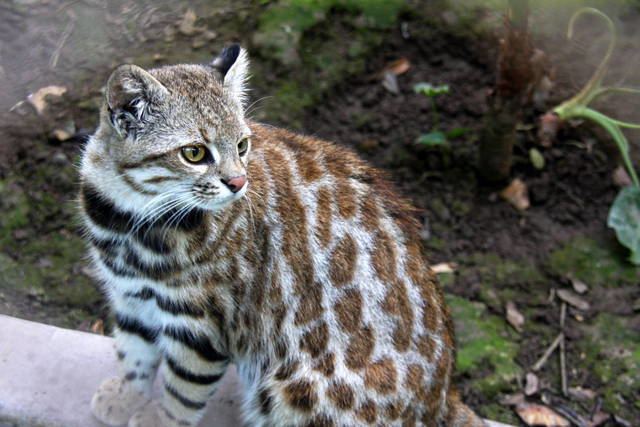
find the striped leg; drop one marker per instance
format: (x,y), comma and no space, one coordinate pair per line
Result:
(191,371)
(117,399)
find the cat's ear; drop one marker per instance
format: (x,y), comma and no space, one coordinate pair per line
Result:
(132,95)
(233,65)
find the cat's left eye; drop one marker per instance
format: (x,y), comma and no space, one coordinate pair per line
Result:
(194,153)
(243,146)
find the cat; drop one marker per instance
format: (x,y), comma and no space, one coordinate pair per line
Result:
(219,240)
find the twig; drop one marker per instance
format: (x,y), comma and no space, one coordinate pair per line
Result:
(65,35)
(540,363)
(563,362)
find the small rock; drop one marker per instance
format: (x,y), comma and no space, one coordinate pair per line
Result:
(157,57)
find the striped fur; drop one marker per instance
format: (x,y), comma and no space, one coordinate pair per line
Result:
(310,279)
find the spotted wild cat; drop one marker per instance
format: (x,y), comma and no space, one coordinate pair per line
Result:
(219,240)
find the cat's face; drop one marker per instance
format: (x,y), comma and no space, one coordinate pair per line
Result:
(178,136)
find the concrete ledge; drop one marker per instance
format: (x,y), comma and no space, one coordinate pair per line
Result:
(48,375)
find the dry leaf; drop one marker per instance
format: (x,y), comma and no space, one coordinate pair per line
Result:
(187,24)
(61,135)
(390,83)
(512,399)
(598,419)
(538,415)
(532,384)
(573,299)
(514,317)
(443,268)
(98,327)
(580,393)
(397,67)
(516,194)
(621,177)
(37,99)
(578,285)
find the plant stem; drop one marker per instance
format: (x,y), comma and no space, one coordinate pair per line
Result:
(434,113)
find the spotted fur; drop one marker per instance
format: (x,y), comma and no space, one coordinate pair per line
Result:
(309,278)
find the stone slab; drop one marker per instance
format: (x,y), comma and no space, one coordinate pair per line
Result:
(48,375)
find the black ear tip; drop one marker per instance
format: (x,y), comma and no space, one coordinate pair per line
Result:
(227,58)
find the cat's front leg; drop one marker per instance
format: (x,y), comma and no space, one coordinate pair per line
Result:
(118,398)
(191,371)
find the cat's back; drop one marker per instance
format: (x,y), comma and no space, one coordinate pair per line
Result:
(364,310)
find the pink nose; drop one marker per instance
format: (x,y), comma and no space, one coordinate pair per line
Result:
(236,183)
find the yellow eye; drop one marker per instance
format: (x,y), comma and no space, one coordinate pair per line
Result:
(194,153)
(243,146)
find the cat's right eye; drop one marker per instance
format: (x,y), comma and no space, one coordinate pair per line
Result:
(194,153)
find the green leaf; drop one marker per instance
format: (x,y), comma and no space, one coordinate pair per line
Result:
(536,158)
(457,132)
(624,218)
(430,90)
(433,139)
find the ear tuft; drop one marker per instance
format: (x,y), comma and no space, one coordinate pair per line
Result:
(233,64)
(131,95)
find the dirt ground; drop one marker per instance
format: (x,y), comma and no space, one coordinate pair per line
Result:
(321,76)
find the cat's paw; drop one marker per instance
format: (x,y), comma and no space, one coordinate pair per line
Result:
(116,401)
(152,415)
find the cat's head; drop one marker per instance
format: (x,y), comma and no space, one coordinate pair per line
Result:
(177,134)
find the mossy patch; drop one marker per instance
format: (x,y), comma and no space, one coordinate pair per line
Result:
(485,344)
(594,262)
(612,354)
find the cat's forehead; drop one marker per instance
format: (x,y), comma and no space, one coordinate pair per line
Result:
(197,94)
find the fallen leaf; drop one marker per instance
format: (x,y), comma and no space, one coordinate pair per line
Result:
(512,399)
(536,158)
(61,135)
(517,194)
(98,327)
(573,299)
(390,83)
(514,317)
(580,393)
(532,384)
(443,268)
(538,415)
(578,285)
(397,67)
(598,419)
(37,99)
(621,177)
(187,24)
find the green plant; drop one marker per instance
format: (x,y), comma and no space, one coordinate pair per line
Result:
(436,137)
(624,216)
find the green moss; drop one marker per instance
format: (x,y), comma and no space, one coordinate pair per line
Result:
(486,344)
(612,354)
(595,263)
(15,210)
